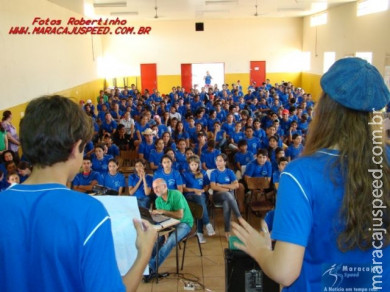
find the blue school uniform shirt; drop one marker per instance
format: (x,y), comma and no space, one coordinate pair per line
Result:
(243,158)
(101,166)
(108,127)
(85,179)
(225,177)
(254,169)
(228,128)
(276,176)
(155,157)
(145,149)
(254,144)
(208,158)
(260,133)
(237,136)
(294,152)
(308,214)
(173,179)
(191,181)
(113,150)
(114,182)
(55,239)
(133,180)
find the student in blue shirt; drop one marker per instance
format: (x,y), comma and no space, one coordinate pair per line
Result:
(73,229)
(223,182)
(236,136)
(253,143)
(113,179)
(146,146)
(112,149)
(243,156)
(100,160)
(332,212)
(156,154)
(259,167)
(196,186)
(208,157)
(140,184)
(282,162)
(170,175)
(85,180)
(296,148)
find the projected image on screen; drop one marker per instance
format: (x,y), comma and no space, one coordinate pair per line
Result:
(216,74)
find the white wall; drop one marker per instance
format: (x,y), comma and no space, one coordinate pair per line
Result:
(234,42)
(346,34)
(33,65)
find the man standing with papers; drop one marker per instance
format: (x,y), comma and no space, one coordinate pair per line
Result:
(173,204)
(53,238)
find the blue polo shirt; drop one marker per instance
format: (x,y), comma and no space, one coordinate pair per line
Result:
(307,213)
(225,177)
(173,179)
(191,181)
(294,152)
(85,179)
(55,239)
(254,169)
(133,180)
(243,158)
(208,158)
(114,182)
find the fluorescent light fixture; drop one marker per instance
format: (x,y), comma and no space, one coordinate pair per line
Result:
(291,9)
(110,4)
(365,7)
(319,19)
(216,11)
(125,13)
(220,2)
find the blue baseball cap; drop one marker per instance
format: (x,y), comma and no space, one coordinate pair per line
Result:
(356,84)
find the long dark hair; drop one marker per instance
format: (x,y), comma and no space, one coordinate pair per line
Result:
(350,131)
(6,115)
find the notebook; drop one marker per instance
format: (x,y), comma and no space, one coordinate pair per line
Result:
(152,218)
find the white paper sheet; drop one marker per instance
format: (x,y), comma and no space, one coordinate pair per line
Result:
(122,210)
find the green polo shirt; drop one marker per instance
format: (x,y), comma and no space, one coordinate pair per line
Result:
(175,202)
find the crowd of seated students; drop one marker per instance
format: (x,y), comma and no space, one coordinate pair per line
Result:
(255,129)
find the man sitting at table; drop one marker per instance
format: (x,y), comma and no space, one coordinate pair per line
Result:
(170,203)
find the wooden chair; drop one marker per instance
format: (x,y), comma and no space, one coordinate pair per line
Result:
(257,201)
(127,157)
(197,213)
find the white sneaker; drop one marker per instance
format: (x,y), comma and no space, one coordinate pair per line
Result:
(210,230)
(201,238)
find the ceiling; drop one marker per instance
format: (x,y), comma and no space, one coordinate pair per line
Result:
(196,9)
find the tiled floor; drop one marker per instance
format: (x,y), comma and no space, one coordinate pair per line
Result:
(208,270)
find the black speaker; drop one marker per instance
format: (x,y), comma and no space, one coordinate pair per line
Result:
(199,26)
(242,273)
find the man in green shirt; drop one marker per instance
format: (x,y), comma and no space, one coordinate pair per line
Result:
(173,204)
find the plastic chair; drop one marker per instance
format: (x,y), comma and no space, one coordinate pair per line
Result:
(197,213)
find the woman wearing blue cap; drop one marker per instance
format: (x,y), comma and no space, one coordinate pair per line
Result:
(332,221)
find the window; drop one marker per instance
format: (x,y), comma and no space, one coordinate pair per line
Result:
(329,58)
(319,19)
(365,7)
(365,56)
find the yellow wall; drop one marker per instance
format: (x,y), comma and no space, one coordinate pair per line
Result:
(311,84)
(85,91)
